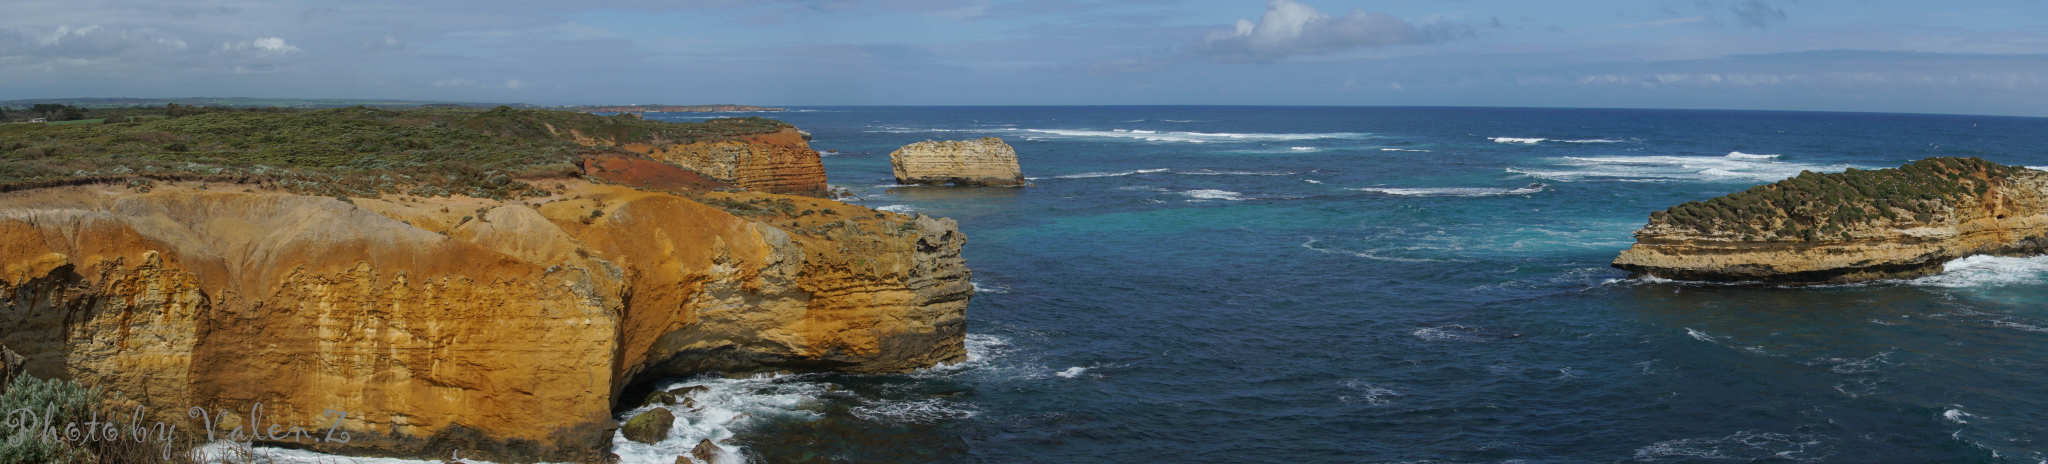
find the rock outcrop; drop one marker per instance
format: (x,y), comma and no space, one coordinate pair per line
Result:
(10,366)
(986,161)
(507,330)
(1847,227)
(774,162)
(649,427)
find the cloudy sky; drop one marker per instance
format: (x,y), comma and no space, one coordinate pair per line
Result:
(1976,57)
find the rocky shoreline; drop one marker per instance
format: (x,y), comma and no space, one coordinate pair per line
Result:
(507,329)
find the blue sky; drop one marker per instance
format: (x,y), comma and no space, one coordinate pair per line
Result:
(1978,57)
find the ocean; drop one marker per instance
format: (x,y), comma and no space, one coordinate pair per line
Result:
(1322,284)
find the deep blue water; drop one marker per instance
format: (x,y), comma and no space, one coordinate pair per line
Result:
(1312,284)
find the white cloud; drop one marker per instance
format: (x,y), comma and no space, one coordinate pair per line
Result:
(1290,28)
(514,84)
(275,45)
(266,46)
(455,82)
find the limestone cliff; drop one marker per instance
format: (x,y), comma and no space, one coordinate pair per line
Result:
(986,161)
(1853,226)
(503,329)
(775,162)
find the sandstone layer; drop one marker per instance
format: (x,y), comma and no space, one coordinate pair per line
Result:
(1899,224)
(774,162)
(985,161)
(506,330)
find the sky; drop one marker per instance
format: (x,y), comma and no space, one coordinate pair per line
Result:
(1965,57)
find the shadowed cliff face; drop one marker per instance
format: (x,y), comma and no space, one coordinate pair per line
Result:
(505,330)
(1901,224)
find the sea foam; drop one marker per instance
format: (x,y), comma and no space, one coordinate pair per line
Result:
(1089,175)
(1455,191)
(1988,271)
(1194,137)
(1213,194)
(1671,169)
(724,405)
(1529,141)
(913,411)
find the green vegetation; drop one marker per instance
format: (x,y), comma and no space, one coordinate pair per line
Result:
(1816,206)
(353,152)
(68,410)
(94,103)
(64,401)
(80,121)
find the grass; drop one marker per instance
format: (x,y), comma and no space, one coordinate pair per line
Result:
(1814,206)
(81,121)
(348,152)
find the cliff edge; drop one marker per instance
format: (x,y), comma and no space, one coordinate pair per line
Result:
(985,161)
(503,329)
(1852,226)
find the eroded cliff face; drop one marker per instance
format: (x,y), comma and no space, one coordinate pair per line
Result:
(775,162)
(1906,230)
(984,161)
(505,330)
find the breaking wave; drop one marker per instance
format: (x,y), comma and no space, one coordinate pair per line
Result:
(1671,168)
(1988,271)
(1213,194)
(1456,191)
(1194,137)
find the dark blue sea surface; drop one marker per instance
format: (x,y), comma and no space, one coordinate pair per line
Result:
(1315,284)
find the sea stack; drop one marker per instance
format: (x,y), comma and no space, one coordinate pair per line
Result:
(1853,226)
(986,161)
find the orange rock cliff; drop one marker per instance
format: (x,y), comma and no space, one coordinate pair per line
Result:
(503,329)
(777,162)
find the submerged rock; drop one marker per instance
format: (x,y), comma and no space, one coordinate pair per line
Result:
(986,161)
(649,427)
(1847,227)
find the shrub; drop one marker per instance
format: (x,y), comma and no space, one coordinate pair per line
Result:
(49,402)
(1837,203)
(349,151)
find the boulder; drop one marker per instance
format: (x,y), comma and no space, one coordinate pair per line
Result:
(706,451)
(986,161)
(649,427)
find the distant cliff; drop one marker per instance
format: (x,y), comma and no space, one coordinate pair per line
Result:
(984,161)
(779,161)
(666,108)
(1852,226)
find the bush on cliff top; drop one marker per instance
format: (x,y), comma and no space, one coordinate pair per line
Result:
(1814,206)
(353,151)
(45,402)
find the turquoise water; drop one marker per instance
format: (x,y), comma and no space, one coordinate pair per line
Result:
(1254,284)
